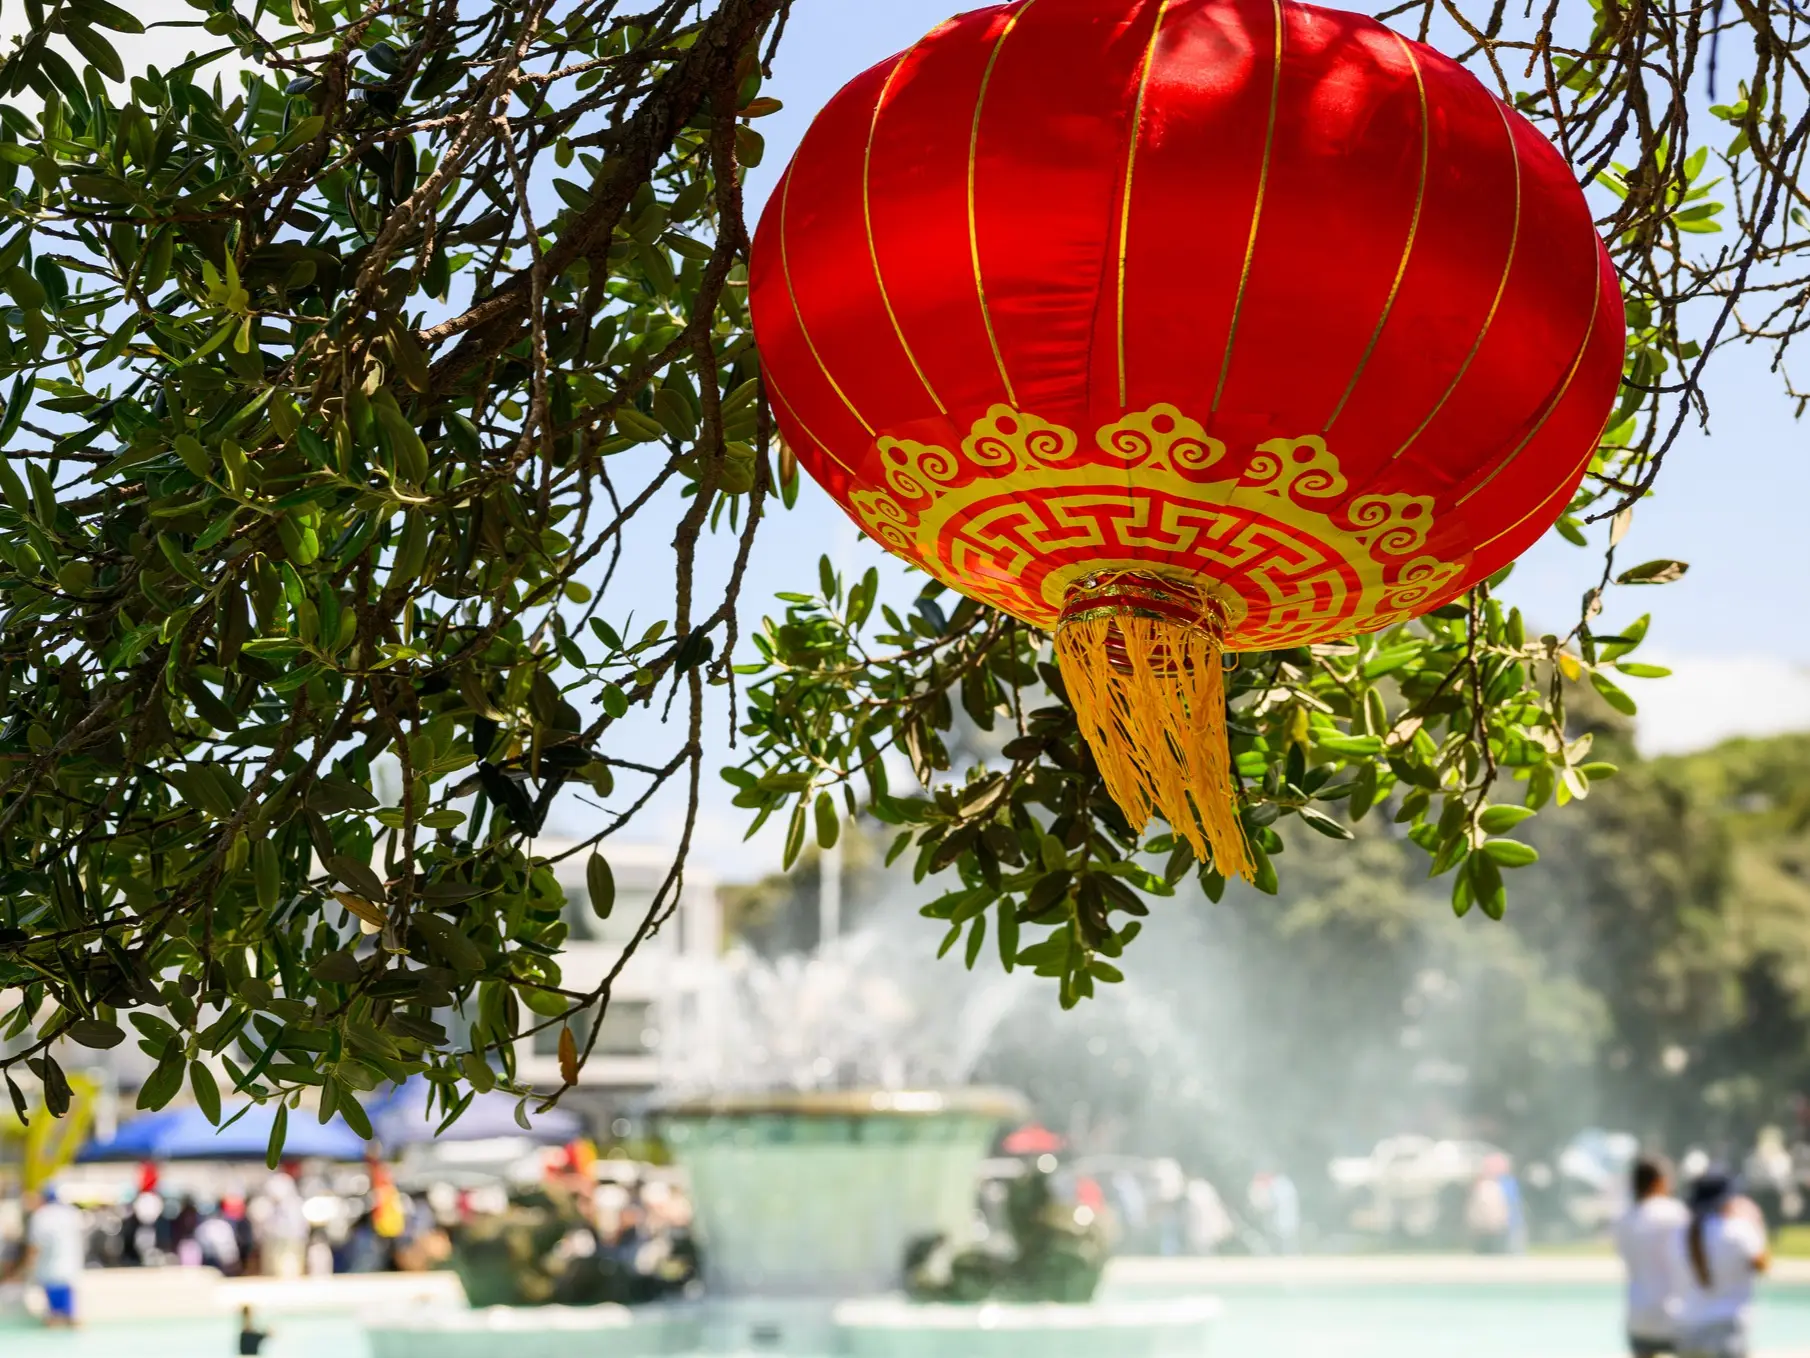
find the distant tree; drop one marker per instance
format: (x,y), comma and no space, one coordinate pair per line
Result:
(353,365)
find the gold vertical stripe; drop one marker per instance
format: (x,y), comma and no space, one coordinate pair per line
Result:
(791,410)
(1131,164)
(1576,473)
(1401,269)
(1263,177)
(1596,306)
(785,269)
(1514,244)
(980,286)
(873,250)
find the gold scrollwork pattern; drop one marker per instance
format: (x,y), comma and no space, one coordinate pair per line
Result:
(918,471)
(1162,436)
(1021,512)
(1004,437)
(1392,524)
(1296,468)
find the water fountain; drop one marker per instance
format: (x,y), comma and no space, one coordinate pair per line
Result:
(831,1125)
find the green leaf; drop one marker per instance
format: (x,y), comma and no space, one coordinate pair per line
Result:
(355,1116)
(279,1133)
(949,941)
(161,1086)
(16,402)
(157,1031)
(1511,853)
(795,834)
(1008,933)
(104,14)
(449,943)
(1265,879)
(1325,824)
(977,937)
(357,876)
(57,1093)
(96,1034)
(1499,820)
(829,821)
(95,50)
(477,1071)
(338,968)
(600,883)
(1615,697)
(1363,746)
(207,1092)
(1662,572)
(1483,873)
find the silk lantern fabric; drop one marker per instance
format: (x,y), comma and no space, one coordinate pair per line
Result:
(1254,297)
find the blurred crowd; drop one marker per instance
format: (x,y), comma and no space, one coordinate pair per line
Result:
(295,1222)
(567,1226)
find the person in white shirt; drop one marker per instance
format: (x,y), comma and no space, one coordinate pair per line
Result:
(1647,1238)
(55,1251)
(1722,1250)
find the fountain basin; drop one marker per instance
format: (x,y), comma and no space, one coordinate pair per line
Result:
(519,1332)
(873,1327)
(887,1327)
(817,1194)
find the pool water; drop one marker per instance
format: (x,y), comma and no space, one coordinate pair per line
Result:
(1490,1321)
(1319,1321)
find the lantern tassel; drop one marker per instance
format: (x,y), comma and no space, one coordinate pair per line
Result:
(1140,656)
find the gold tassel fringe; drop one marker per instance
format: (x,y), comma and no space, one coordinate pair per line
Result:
(1148,689)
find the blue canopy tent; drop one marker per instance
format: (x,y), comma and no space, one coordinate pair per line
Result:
(306,1138)
(402,1119)
(186,1134)
(135,1139)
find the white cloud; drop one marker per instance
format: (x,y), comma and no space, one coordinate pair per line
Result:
(1712,698)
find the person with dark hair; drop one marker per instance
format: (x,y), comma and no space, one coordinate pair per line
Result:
(1646,1238)
(1721,1251)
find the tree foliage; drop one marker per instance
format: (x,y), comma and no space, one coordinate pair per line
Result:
(341,361)
(1650,978)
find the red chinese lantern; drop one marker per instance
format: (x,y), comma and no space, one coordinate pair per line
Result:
(1180,326)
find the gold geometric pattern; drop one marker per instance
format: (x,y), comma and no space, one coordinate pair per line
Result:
(1019,513)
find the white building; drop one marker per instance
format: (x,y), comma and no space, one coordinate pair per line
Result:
(660,1000)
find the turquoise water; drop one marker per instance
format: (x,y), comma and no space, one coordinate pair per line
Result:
(1500,1321)
(1493,1321)
(292,1337)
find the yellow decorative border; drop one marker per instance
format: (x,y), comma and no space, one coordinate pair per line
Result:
(1021,511)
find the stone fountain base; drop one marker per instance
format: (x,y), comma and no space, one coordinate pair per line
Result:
(878,1327)
(520,1332)
(886,1327)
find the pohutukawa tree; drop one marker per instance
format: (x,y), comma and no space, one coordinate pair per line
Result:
(341,358)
